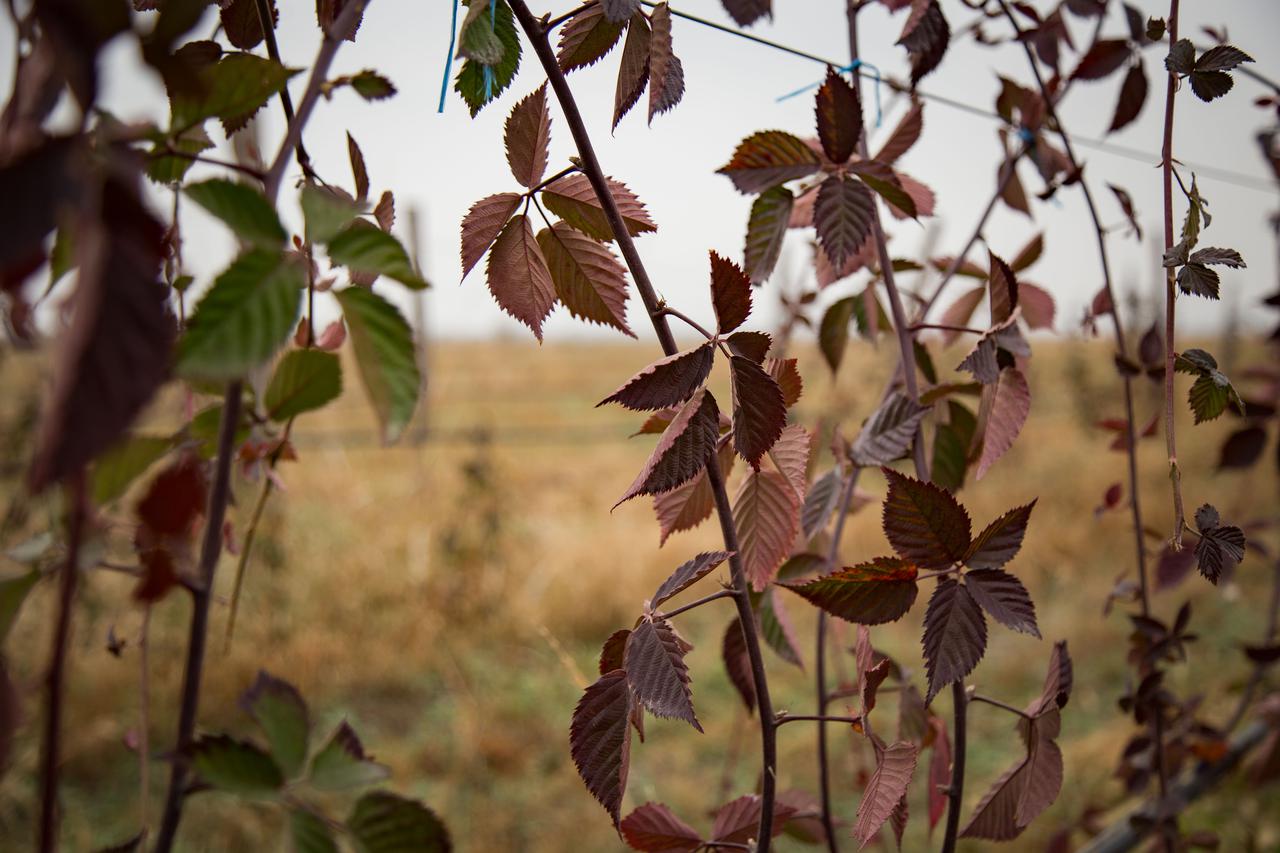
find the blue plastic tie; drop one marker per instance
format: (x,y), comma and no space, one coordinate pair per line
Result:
(853,66)
(1027,137)
(448,60)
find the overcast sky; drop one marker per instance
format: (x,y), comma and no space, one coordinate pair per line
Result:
(442,163)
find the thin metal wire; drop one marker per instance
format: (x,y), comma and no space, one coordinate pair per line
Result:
(1250,182)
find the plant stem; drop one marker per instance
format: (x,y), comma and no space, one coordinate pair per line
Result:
(1170,287)
(201,594)
(687,320)
(818,718)
(267,23)
(955,789)
(706,599)
(51,748)
(537,35)
(997,703)
(820,665)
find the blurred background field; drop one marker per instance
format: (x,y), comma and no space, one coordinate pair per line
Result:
(449,595)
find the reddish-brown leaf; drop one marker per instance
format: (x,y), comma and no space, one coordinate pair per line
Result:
(1044,770)
(633,71)
(842,213)
(1004,597)
(730,294)
(888,433)
(759,412)
(667,382)
(1003,287)
(839,111)
(482,225)
(738,820)
(1009,412)
(994,817)
(588,279)
(1058,681)
(384,212)
(117,350)
(924,523)
(752,345)
(682,450)
(656,671)
(687,575)
(359,172)
(175,498)
(687,506)
(766,159)
(747,12)
(895,766)
(766,513)
(904,135)
(925,36)
(1105,57)
(737,663)
(872,593)
(586,37)
(1037,306)
(1000,541)
(785,372)
(955,635)
(620,10)
(1133,94)
(574,201)
(600,739)
(791,454)
(666,73)
(612,650)
(527,134)
(960,312)
(655,829)
(518,276)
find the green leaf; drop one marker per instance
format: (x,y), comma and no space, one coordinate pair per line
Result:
(304,380)
(364,248)
(62,259)
(164,168)
(833,333)
(244,318)
(309,834)
(478,83)
(244,210)
(121,465)
(341,763)
(383,344)
(1194,361)
(327,211)
(385,823)
(13,591)
(1210,395)
(233,89)
(236,767)
(478,38)
(372,86)
(281,712)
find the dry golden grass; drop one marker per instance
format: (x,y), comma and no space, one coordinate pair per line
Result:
(449,598)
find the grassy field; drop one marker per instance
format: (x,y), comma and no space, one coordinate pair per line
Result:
(448,597)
